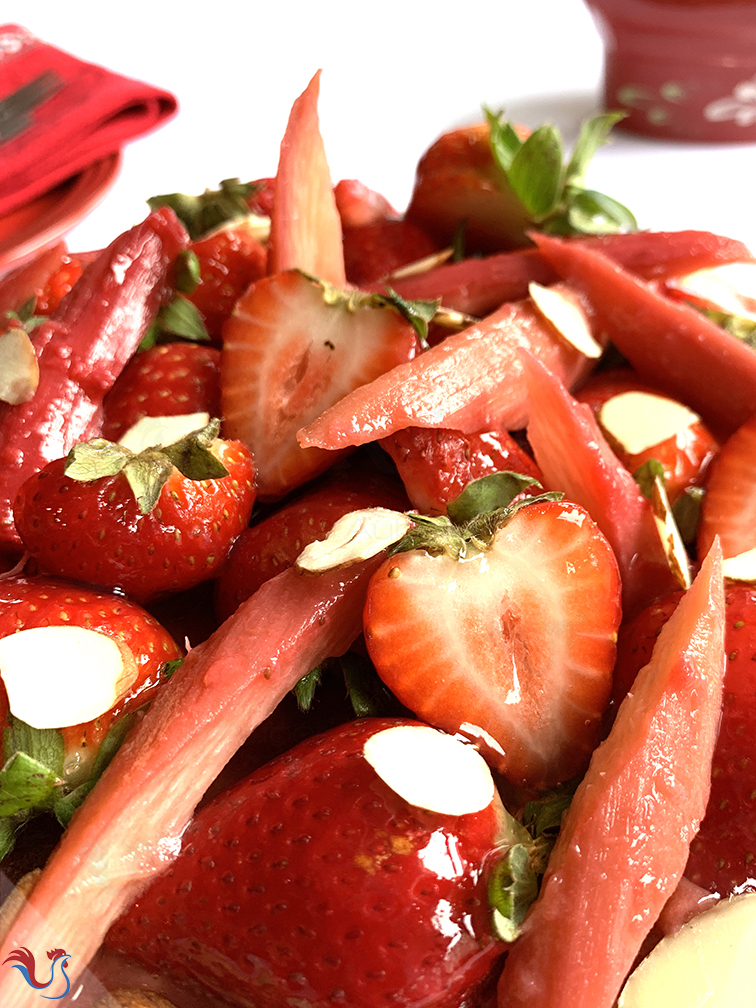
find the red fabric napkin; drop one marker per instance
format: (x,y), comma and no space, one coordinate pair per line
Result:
(59,115)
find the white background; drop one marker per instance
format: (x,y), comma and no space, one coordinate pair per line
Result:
(395,75)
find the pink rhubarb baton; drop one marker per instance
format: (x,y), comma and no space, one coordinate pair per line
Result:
(130,827)
(668,343)
(624,842)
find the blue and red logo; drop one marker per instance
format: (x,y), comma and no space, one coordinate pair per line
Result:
(23,960)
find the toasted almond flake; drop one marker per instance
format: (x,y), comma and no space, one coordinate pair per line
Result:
(423,265)
(57,676)
(567,318)
(19,370)
(638,421)
(730,288)
(671,541)
(162,430)
(741,567)
(357,536)
(431,770)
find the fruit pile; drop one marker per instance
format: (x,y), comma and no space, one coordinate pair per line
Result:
(375,586)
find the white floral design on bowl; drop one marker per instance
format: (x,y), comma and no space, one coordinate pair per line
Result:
(738,107)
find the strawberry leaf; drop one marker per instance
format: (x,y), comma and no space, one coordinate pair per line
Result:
(593,213)
(7,837)
(489,493)
(367,693)
(181,318)
(418,313)
(536,173)
(192,456)
(593,134)
(512,888)
(187,271)
(505,143)
(687,512)
(147,474)
(91,460)
(743,329)
(205,213)
(24,784)
(647,474)
(304,691)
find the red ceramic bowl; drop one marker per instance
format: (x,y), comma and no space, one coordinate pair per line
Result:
(681,69)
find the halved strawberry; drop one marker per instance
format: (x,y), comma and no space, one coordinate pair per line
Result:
(293,347)
(729,507)
(167,380)
(437,465)
(505,636)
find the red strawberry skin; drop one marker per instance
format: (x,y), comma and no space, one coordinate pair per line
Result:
(723,855)
(95,532)
(373,251)
(312,883)
(436,465)
(28,602)
(166,380)
(229,261)
(729,507)
(273,544)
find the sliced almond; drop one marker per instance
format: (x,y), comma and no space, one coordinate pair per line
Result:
(19,370)
(730,289)
(741,567)
(431,770)
(357,536)
(56,676)
(711,962)
(162,430)
(637,421)
(567,317)
(666,526)
(423,265)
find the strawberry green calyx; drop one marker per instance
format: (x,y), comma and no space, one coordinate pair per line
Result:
(213,208)
(483,507)
(418,313)
(148,471)
(553,194)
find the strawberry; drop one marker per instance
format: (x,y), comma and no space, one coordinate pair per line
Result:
(228,261)
(321,888)
(145,527)
(166,380)
(437,465)
(492,182)
(61,281)
(224,689)
(373,251)
(358,205)
(624,841)
(28,602)
(729,507)
(684,456)
(273,544)
(723,855)
(292,348)
(503,630)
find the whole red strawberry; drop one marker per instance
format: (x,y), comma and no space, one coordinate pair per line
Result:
(162,521)
(723,855)
(30,602)
(166,380)
(373,251)
(61,281)
(230,260)
(313,882)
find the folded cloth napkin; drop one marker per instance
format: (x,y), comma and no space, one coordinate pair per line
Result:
(59,115)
